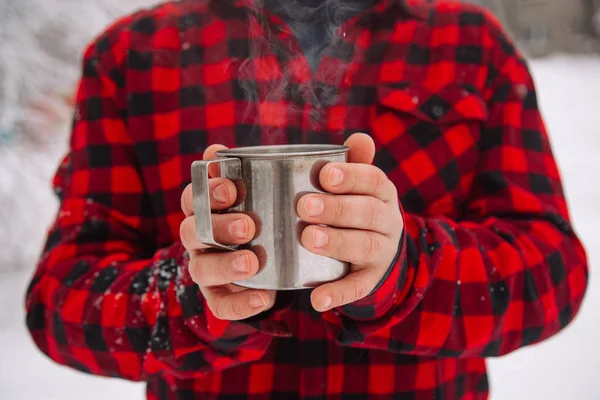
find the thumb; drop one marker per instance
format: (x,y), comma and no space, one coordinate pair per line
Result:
(211,153)
(362,148)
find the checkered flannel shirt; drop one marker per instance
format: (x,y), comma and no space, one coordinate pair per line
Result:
(489,261)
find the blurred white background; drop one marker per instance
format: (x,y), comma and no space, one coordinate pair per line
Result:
(40,46)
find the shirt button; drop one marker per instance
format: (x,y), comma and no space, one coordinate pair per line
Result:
(437,111)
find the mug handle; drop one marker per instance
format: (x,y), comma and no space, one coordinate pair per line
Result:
(201,194)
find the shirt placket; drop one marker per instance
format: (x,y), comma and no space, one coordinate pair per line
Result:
(310,116)
(349,35)
(292,60)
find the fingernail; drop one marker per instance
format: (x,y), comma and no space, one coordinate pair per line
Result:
(220,193)
(320,238)
(239,228)
(257,301)
(314,206)
(326,303)
(336,176)
(241,264)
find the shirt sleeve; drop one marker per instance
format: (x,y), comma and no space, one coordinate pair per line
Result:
(510,273)
(105,298)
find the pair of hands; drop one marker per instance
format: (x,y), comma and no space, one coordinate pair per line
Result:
(363,227)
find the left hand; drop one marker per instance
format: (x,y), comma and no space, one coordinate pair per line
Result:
(363,224)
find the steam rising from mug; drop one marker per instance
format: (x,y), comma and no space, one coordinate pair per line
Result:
(306,14)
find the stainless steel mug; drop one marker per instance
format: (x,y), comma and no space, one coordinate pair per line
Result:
(270,181)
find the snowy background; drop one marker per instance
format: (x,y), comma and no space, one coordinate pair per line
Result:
(39,52)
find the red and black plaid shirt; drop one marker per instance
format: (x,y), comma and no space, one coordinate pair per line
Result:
(489,260)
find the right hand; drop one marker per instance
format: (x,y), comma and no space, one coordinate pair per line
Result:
(215,271)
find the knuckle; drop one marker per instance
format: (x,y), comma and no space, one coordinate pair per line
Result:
(194,270)
(346,297)
(219,309)
(237,310)
(373,246)
(354,179)
(355,291)
(378,179)
(359,291)
(344,246)
(218,313)
(214,308)
(184,228)
(341,246)
(373,213)
(181,233)
(222,267)
(218,223)
(340,208)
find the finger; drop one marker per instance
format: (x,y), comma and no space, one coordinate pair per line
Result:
(221,268)
(361,179)
(362,148)
(354,246)
(210,154)
(346,211)
(223,194)
(234,228)
(187,235)
(211,151)
(230,306)
(353,287)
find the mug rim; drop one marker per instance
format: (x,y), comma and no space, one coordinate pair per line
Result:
(284,151)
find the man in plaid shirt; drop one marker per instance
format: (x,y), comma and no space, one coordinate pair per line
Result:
(451,210)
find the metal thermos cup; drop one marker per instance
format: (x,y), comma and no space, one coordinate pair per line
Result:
(270,181)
